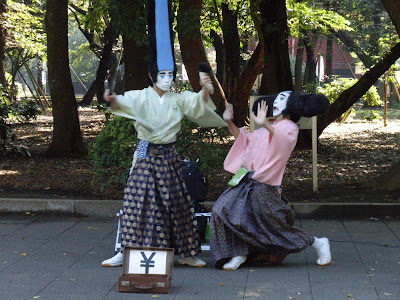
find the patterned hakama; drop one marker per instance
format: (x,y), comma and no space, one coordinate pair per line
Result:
(157,208)
(252,218)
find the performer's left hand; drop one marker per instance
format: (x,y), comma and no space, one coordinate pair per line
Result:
(261,117)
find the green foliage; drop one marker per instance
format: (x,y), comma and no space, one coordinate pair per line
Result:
(334,86)
(9,111)
(372,116)
(25,110)
(200,143)
(82,59)
(111,152)
(24,26)
(304,17)
(370,23)
(212,16)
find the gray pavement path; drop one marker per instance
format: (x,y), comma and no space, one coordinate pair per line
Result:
(58,257)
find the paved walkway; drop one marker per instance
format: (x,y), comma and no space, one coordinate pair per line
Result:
(58,257)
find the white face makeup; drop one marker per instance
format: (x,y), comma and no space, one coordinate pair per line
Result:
(280,103)
(164,80)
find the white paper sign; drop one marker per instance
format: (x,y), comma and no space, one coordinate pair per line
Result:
(147,262)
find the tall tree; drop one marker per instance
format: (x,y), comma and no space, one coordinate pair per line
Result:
(238,76)
(390,180)
(277,75)
(3,9)
(67,137)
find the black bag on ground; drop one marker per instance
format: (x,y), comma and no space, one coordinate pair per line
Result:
(196,183)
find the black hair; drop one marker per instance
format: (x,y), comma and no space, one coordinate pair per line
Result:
(298,105)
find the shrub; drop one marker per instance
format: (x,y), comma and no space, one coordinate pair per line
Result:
(112,150)
(9,111)
(334,86)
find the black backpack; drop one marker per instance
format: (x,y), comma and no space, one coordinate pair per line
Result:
(196,183)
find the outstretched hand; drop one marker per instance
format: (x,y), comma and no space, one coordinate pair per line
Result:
(228,113)
(261,117)
(109,96)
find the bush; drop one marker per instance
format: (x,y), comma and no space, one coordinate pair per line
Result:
(14,111)
(112,150)
(334,86)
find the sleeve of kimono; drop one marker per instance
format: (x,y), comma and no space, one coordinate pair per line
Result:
(234,159)
(197,110)
(281,146)
(131,105)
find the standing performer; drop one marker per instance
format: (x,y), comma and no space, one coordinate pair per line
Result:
(253,219)
(157,209)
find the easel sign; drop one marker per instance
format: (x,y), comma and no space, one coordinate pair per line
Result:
(146,270)
(303,123)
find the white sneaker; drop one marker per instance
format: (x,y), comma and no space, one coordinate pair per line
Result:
(192,261)
(234,263)
(114,261)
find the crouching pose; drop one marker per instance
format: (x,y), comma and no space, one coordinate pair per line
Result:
(252,220)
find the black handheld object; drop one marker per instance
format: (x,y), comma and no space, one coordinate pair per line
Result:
(299,105)
(204,69)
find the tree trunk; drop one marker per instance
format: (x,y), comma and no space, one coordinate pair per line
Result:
(329,51)
(135,65)
(219,54)
(276,56)
(393,9)
(3,9)
(67,137)
(390,180)
(192,48)
(105,64)
(231,53)
(298,67)
(310,76)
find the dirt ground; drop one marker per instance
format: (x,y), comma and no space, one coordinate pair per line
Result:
(349,154)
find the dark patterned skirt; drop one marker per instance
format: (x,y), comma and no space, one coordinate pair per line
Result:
(252,219)
(157,208)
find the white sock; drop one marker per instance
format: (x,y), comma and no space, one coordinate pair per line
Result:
(323,251)
(234,263)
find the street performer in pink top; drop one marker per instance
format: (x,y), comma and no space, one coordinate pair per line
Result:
(252,219)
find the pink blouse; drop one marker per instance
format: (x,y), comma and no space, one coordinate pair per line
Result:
(268,158)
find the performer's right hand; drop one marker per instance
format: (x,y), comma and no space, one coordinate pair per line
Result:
(109,96)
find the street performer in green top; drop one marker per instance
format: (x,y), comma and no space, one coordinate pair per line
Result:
(157,211)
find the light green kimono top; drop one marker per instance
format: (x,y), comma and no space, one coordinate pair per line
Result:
(159,122)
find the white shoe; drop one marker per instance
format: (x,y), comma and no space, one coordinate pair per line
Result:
(114,261)
(323,251)
(234,263)
(192,261)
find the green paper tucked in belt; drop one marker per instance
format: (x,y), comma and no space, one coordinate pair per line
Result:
(239,175)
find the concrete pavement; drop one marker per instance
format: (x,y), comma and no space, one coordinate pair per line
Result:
(44,256)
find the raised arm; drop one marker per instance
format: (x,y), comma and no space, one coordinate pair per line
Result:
(228,117)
